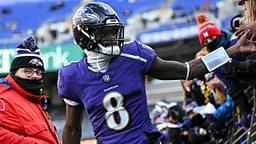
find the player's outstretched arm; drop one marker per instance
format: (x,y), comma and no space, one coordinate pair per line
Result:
(172,70)
(73,124)
(162,69)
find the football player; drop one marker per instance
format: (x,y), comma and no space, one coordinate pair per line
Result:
(109,82)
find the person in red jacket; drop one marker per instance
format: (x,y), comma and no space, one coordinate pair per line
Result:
(23,119)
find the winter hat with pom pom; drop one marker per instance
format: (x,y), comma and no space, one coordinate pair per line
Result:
(206,28)
(27,55)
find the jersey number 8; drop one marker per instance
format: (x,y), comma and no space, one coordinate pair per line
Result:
(117,117)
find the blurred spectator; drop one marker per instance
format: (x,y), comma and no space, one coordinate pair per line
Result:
(10,25)
(6,10)
(211,36)
(57,5)
(236,21)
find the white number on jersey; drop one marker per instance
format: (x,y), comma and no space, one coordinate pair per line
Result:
(116,107)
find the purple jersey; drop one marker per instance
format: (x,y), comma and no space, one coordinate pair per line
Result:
(116,101)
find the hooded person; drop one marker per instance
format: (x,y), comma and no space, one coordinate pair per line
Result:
(236,21)
(22,115)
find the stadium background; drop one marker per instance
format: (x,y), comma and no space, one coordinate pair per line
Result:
(169,26)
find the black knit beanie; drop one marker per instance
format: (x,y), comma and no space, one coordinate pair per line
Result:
(27,56)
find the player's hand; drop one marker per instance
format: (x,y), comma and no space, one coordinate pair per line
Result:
(244,28)
(243,45)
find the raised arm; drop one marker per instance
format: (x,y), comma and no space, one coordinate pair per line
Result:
(162,69)
(73,124)
(171,70)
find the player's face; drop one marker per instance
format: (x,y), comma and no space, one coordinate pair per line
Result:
(107,36)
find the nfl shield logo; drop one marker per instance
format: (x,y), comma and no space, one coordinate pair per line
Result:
(106,78)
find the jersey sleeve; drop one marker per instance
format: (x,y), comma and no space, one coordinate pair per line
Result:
(147,56)
(66,86)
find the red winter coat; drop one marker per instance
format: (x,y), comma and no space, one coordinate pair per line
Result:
(22,118)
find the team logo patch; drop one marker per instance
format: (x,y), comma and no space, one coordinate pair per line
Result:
(106,78)
(36,62)
(2,105)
